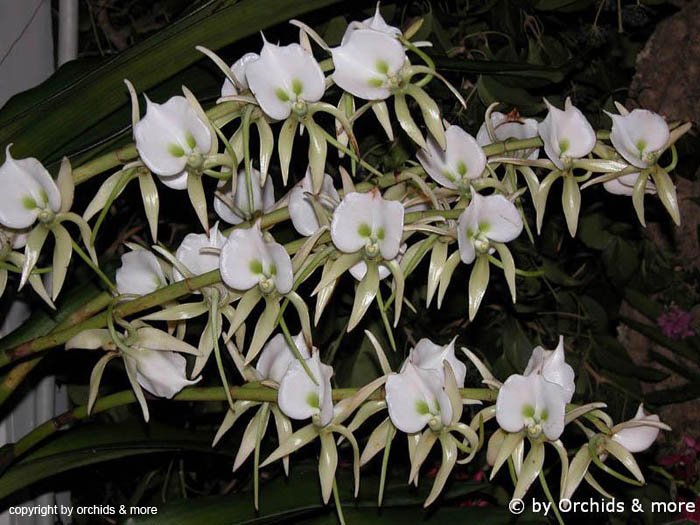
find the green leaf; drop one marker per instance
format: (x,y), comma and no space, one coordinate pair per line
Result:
(91,444)
(69,106)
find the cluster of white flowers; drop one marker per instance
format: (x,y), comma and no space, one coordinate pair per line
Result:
(360,230)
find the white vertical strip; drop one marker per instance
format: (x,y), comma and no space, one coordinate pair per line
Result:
(67,31)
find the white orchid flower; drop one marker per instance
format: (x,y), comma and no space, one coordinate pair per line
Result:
(532,403)
(634,435)
(359,270)
(536,401)
(284,77)
(375,22)
(276,356)
(416,397)
(430,356)
(151,357)
(300,398)
(239,75)
(552,365)
(197,252)
(162,373)
(169,137)
(367,64)
(235,208)
(624,185)
(462,160)
(367,221)
(639,136)
(510,126)
(301,209)
(566,134)
(140,273)
(491,218)
(27,192)
(250,258)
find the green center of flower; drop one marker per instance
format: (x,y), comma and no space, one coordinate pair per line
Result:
(266,276)
(372,239)
(534,421)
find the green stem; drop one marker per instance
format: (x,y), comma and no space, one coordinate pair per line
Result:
(349,152)
(295,350)
(262,394)
(522,273)
(338,505)
(385,320)
(385,463)
(547,493)
(246,157)
(118,188)
(18,373)
(109,284)
(215,334)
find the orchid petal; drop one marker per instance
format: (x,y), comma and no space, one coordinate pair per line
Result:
(168,133)
(566,134)
(140,273)
(160,372)
(462,159)
(27,188)
(638,439)
(276,356)
(301,210)
(300,398)
(639,134)
(281,76)
(190,252)
(365,62)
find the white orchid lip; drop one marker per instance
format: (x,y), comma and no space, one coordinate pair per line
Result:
(161,372)
(566,134)
(140,273)
(529,402)
(300,398)
(27,193)
(368,64)
(639,136)
(169,137)
(486,219)
(462,160)
(301,210)
(235,208)
(367,221)
(197,252)
(635,436)
(283,78)
(276,356)
(624,185)
(416,397)
(239,75)
(248,259)
(536,401)
(510,126)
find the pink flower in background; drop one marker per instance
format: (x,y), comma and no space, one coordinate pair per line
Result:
(675,323)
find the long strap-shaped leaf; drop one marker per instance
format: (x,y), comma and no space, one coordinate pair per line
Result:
(57,114)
